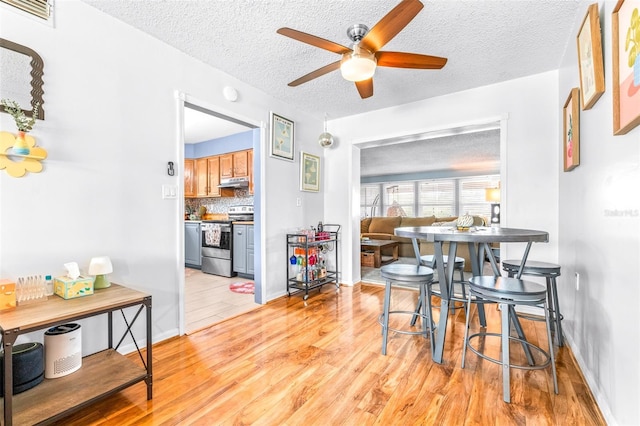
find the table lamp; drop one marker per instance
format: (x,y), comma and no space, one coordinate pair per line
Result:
(492,195)
(100,266)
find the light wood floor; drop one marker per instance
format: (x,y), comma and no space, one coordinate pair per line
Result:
(208,299)
(319,363)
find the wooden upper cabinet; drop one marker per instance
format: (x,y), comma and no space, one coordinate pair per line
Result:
(189,178)
(213,164)
(226,165)
(250,166)
(234,164)
(240,164)
(207,173)
(202,177)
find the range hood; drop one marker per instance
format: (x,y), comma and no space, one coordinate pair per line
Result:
(235,182)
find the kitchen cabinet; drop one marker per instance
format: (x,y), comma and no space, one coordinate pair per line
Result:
(102,373)
(207,172)
(192,245)
(234,164)
(243,250)
(189,178)
(202,175)
(250,165)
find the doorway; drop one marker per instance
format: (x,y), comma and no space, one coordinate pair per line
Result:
(442,173)
(205,131)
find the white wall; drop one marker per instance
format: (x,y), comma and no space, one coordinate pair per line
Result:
(530,155)
(602,320)
(110,129)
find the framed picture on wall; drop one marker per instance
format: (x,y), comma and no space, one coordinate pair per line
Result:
(571,134)
(625,26)
(590,63)
(309,172)
(282,138)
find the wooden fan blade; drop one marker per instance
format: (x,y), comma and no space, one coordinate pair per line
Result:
(391,24)
(365,88)
(409,60)
(315,74)
(314,41)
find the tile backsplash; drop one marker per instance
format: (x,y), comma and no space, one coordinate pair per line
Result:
(219,205)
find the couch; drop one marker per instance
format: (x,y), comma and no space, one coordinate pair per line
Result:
(382,228)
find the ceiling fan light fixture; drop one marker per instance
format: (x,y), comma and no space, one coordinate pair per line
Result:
(358,65)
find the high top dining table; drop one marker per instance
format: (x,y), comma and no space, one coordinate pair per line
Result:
(478,240)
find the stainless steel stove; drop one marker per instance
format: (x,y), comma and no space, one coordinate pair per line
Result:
(240,213)
(217,241)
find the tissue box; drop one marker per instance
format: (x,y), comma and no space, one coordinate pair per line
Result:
(69,288)
(7,294)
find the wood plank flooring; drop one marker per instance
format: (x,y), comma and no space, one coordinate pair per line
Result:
(318,363)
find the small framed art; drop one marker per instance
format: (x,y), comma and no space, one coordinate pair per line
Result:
(571,135)
(282,138)
(625,36)
(590,63)
(309,172)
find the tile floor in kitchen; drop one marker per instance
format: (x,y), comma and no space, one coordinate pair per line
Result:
(208,299)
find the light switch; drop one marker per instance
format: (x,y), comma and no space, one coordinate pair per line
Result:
(169,191)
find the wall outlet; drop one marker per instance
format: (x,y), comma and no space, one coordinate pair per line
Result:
(298,202)
(577,281)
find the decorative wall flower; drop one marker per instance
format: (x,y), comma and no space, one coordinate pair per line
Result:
(19,166)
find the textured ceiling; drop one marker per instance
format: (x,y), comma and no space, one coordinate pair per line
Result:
(485,41)
(469,153)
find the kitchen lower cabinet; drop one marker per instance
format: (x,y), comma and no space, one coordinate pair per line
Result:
(243,250)
(192,245)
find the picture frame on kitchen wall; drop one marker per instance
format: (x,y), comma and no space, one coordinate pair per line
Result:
(309,172)
(625,36)
(590,62)
(282,138)
(571,134)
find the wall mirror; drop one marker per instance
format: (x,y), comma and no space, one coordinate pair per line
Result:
(21,69)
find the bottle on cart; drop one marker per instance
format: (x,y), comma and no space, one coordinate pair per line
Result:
(320,226)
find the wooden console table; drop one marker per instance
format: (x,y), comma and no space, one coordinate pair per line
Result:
(102,373)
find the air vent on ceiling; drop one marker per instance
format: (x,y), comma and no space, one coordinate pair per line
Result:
(39,8)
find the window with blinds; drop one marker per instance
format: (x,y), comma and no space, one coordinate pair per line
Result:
(472,195)
(400,199)
(437,197)
(370,200)
(39,8)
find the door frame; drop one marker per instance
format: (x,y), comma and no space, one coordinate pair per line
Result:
(182,99)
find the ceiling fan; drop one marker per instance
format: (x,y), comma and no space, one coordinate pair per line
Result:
(358,63)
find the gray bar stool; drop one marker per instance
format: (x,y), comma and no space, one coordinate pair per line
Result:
(458,293)
(508,293)
(412,275)
(549,271)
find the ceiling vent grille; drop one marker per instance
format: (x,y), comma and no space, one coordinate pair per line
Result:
(39,8)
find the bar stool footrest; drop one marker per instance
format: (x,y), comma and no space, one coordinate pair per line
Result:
(547,358)
(412,313)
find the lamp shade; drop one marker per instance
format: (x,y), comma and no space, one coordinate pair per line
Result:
(358,65)
(100,265)
(492,195)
